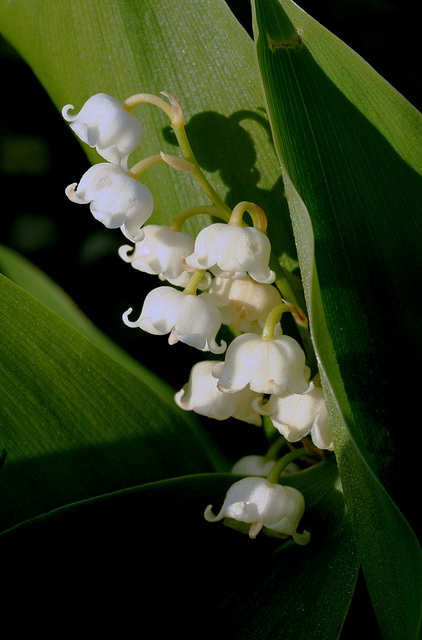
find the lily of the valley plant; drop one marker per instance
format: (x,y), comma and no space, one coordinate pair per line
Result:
(266,201)
(264,372)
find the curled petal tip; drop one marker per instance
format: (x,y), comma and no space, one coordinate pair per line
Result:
(302,538)
(65,112)
(124,251)
(218,349)
(126,320)
(225,389)
(71,193)
(133,237)
(208,514)
(255,528)
(70,189)
(172,339)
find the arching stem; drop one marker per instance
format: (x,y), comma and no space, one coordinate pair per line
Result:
(204,209)
(174,112)
(194,281)
(273,319)
(281,464)
(257,214)
(144,164)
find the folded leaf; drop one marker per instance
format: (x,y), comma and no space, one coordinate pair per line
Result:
(350,147)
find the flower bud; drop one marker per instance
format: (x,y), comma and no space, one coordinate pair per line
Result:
(253,465)
(160,253)
(260,466)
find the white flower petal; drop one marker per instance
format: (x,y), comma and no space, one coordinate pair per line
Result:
(244,303)
(253,466)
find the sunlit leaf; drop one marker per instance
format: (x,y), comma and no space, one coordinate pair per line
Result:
(74,422)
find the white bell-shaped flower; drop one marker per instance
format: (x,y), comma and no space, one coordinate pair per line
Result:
(115,198)
(265,366)
(160,253)
(298,415)
(188,318)
(244,303)
(231,251)
(255,503)
(254,465)
(201,395)
(104,123)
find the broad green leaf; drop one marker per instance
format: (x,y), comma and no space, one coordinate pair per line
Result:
(74,422)
(350,147)
(211,581)
(194,49)
(38,284)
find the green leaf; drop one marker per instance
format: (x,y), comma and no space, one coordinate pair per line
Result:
(211,581)
(350,147)
(193,49)
(76,423)
(40,286)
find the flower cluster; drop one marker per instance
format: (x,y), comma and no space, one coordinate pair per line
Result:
(220,277)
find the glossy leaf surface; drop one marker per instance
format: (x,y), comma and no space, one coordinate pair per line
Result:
(350,147)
